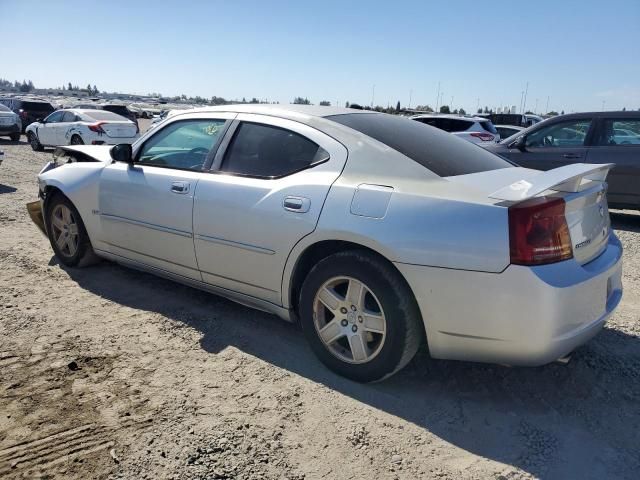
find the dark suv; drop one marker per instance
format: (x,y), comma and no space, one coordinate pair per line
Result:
(599,137)
(28,110)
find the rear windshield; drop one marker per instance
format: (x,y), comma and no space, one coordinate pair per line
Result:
(104,115)
(488,126)
(119,109)
(37,106)
(442,153)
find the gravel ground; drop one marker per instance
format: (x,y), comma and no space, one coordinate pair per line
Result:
(110,373)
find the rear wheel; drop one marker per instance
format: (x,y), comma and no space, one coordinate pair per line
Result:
(67,233)
(77,140)
(359,316)
(34,142)
(14,137)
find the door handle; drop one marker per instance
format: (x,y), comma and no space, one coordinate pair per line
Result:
(296,204)
(571,155)
(180,187)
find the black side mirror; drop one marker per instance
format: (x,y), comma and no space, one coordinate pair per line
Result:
(520,143)
(122,153)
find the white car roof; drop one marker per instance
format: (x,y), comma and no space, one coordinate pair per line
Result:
(279,110)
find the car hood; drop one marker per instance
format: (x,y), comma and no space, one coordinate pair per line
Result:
(100,153)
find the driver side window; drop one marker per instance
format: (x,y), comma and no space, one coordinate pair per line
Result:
(571,133)
(55,117)
(183,145)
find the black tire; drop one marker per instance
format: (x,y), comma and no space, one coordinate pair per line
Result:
(14,137)
(83,254)
(76,140)
(404,329)
(34,142)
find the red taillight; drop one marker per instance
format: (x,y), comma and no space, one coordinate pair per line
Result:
(97,127)
(538,232)
(485,137)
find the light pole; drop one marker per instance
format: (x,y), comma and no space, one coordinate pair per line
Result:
(603,102)
(438,96)
(373,94)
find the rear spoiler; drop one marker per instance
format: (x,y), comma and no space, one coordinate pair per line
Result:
(570,178)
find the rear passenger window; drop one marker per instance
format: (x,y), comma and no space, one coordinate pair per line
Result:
(459,125)
(269,152)
(620,132)
(68,117)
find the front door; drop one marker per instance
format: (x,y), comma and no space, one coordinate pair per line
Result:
(48,130)
(146,208)
(554,145)
(267,194)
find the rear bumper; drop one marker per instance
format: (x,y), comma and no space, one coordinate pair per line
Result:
(7,129)
(523,316)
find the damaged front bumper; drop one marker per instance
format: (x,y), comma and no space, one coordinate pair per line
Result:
(35,212)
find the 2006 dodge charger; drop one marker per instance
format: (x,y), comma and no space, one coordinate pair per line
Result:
(377,232)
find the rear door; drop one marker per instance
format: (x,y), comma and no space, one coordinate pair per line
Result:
(266,194)
(555,145)
(618,141)
(63,131)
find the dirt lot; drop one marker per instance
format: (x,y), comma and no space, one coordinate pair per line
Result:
(109,373)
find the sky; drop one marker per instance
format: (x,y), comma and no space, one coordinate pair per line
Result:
(575,55)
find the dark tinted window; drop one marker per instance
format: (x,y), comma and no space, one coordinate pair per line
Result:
(37,106)
(447,124)
(266,151)
(443,154)
(619,132)
(119,109)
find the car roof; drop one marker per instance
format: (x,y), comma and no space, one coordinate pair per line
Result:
(617,114)
(515,127)
(451,115)
(280,110)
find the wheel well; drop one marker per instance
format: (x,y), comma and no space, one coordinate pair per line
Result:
(49,192)
(312,255)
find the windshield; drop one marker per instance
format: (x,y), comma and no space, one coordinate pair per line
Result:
(442,153)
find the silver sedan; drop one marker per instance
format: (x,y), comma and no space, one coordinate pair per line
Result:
(377,233)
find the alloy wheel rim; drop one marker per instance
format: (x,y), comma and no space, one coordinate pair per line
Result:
(64,230)
(349,320)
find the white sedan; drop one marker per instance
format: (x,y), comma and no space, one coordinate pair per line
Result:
(378,233)
(79,127)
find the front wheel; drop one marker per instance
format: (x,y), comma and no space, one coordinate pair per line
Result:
(34,142)
(67,234)
(359,316)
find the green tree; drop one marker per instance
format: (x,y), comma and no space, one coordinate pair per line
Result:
(552,113)
(325,103)
(480,110)
(462,111)
(445,109)
(301,101)
(346,104)
(398,106)
(69,87)
(95,90)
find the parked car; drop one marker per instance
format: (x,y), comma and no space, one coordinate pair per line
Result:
(513,119)
(118,109)
(79,127)
(506,131)
(28,110)
(594,137)
(10,124)
(375,231)
(472,129)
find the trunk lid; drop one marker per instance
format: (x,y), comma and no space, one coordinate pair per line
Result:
(120,129)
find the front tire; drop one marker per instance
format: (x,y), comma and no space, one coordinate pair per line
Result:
(34,142)
(359,316)
(67,234)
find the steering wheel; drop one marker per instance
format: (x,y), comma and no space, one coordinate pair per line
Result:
(547,142)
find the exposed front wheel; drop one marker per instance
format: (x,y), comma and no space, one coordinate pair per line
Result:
(359,316)
(67,233)
(34,142)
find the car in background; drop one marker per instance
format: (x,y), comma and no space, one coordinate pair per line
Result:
(514,119)
(596,137)
(29,110)
(506,131)
(118,109)
(377,233)
(10,123)
(79,127)
(473,129)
